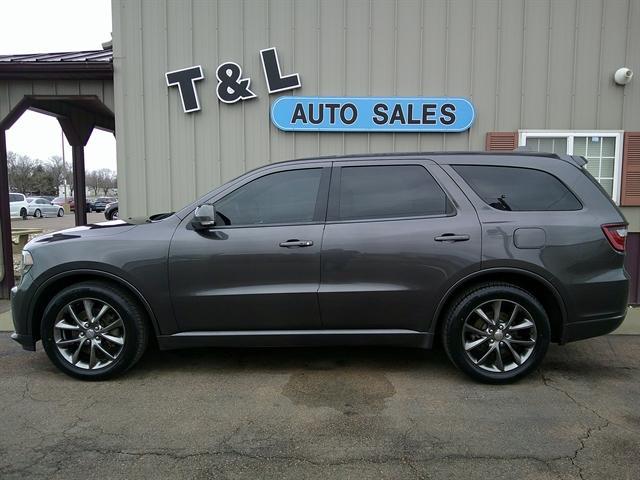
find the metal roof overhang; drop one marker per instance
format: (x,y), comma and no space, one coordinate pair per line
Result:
(80,65)
(56,71)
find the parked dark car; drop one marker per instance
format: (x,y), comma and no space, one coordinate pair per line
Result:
(72,205)
(111,211)
(100,203)
(496,255)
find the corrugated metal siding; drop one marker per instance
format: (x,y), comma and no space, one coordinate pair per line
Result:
(524,64)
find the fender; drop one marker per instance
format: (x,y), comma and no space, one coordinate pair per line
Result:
(479,273)
(101,273)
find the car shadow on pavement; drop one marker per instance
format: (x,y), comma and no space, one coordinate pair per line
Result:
(285,359)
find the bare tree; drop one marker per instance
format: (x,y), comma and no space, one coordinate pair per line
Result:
(93,181)
(58,171)
(108,179)
(21,169)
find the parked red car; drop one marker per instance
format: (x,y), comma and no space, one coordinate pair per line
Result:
(70,201)
(61,200)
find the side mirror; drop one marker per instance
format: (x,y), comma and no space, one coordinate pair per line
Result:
(204,217)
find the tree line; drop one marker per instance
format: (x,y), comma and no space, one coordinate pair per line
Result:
(37,177)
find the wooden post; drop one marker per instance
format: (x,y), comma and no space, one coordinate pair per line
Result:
(5,220)
(77,127)
(79,190)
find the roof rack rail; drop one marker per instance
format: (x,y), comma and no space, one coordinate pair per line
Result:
(575,160)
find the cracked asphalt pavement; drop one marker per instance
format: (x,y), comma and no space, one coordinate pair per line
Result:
(331,413)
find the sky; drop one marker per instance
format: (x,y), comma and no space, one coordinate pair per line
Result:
(39,26)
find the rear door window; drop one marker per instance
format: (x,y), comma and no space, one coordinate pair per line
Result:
(387,191)
(518,189)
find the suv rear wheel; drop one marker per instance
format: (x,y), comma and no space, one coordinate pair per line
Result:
(496,333)
(94,331)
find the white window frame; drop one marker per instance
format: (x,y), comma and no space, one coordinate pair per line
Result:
(570,134)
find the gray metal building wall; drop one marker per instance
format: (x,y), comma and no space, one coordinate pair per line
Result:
(523,63)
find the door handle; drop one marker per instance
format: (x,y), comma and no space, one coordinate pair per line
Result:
(296,243)
(452,237)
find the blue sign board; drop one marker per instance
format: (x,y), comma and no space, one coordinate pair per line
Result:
(372,114)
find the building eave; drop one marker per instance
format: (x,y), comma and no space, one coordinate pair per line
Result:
(56,71)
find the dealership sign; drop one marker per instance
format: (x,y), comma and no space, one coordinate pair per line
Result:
(373,114)
(317,114)
(232,86)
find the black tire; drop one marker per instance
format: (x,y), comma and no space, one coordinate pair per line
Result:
(23,213)
(37,214)
(481,296)
(113,215)
(133,318)
(61,212)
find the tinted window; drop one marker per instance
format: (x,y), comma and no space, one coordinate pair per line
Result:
(15,197)
(389,191)
(518,189)
(283,197)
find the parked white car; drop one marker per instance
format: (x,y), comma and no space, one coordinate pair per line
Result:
(18,205)
(41,207)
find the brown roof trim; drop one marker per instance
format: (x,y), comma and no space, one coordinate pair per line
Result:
(56,70)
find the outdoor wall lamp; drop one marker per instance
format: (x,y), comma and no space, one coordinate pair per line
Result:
(623,76)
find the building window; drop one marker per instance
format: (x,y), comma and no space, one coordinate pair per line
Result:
(602,149)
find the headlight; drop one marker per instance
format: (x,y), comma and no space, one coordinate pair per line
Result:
(27,262)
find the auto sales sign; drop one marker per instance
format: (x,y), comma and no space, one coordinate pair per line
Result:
(373,114)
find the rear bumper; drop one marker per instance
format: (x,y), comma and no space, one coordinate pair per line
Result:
(592,328)
(599,305)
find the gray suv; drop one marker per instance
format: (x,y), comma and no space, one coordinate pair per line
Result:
(495,255)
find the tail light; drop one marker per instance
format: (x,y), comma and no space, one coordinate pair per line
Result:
(616,233)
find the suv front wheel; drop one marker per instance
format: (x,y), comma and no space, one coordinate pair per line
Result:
(94,331)
(496,333)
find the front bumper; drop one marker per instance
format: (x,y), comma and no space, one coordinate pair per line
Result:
(22,334)
(27,341)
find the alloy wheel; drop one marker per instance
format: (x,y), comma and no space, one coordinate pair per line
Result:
(499,335)
(89,333)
